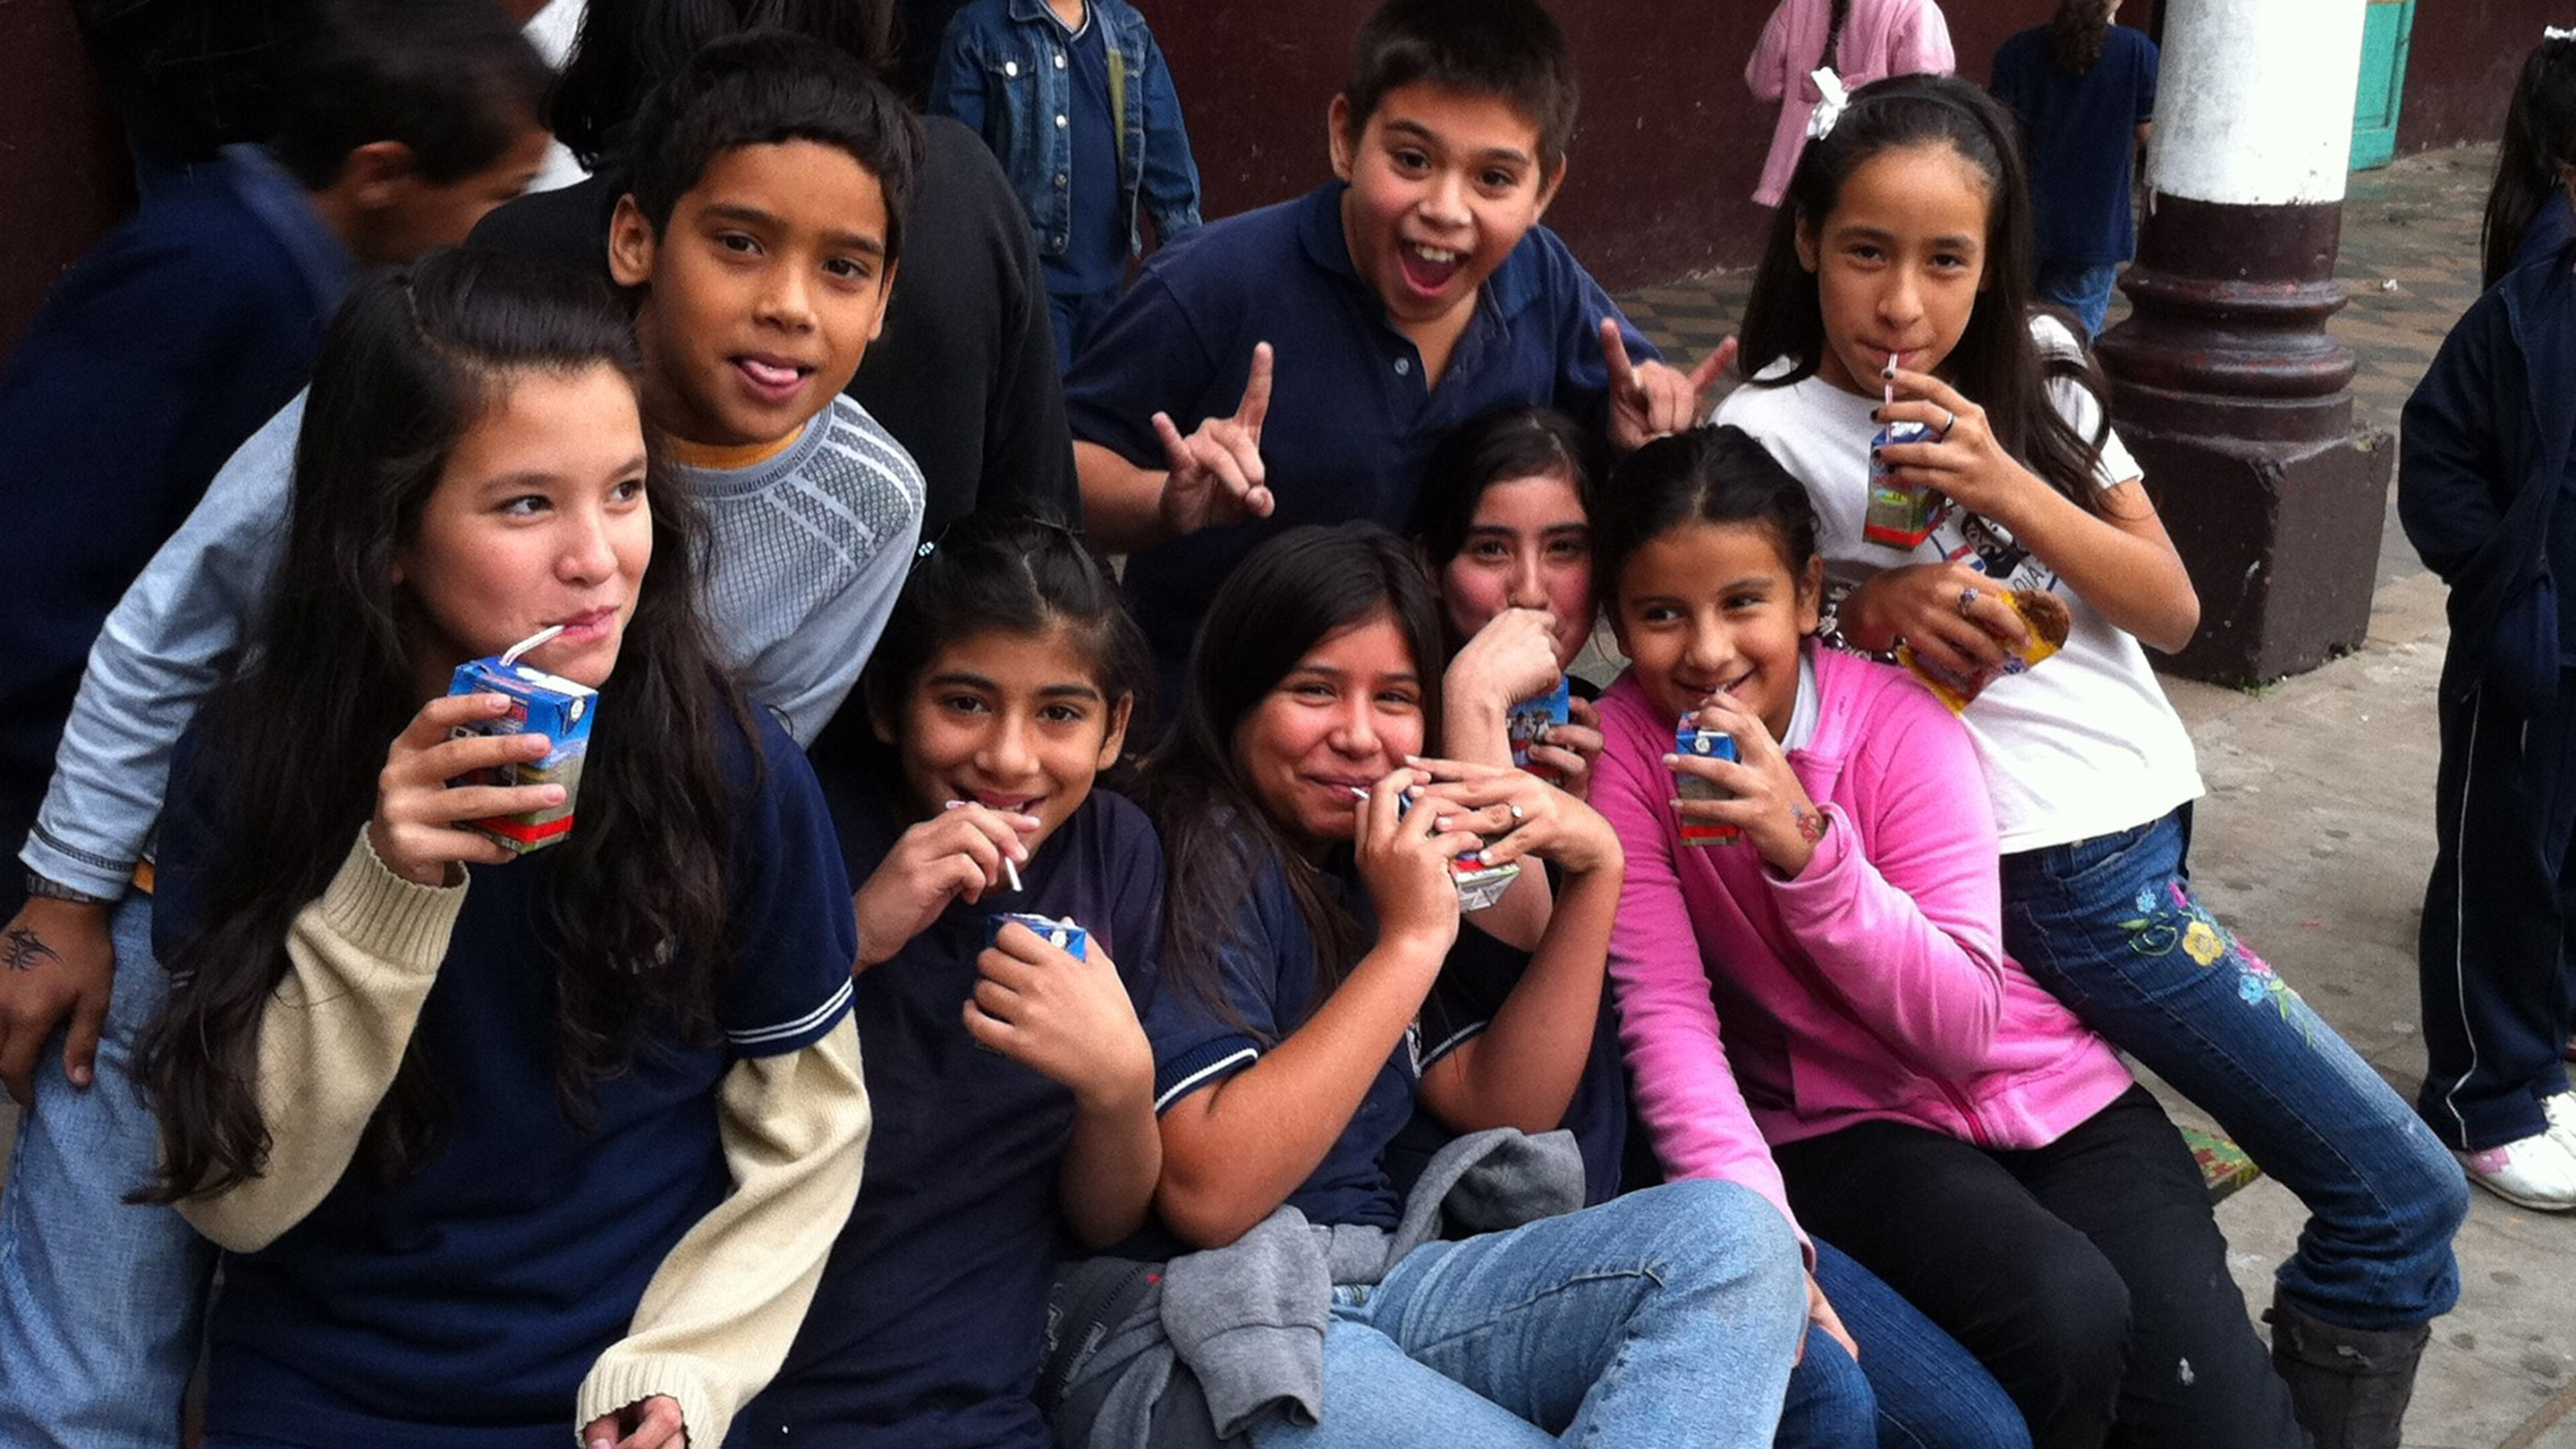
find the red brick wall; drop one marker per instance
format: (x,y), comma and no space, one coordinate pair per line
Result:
(62,162)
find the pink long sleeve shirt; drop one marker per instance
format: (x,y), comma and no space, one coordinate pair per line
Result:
(1880,38)
(1874,986)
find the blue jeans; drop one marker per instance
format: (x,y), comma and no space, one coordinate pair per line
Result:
(100,1299)
(1665,1317)
(2110,925)
(1914,1387)
(2083,289)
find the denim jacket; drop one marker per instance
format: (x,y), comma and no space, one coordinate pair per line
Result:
(1003,71)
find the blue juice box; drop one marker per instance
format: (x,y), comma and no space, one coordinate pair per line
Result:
(1690,739)
(1064,935)
(1479,885)
(1529,721)
(540,703)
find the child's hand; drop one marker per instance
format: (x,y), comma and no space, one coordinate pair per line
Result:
(1954,617)
(1571,748)
(1650,400)
(1405,864)
(956,853)
(1512,658)
(652,1423)
(1216,474)
(1961,458)
(1516,814)
(1770,806)
(419,829)
(1067,1018)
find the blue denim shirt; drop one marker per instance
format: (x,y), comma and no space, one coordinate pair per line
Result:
(1002,70)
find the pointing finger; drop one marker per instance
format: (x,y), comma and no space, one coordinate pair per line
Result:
(1256,392)
(1614,351)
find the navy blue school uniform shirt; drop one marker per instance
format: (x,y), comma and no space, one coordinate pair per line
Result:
(461,1308)
(1267,974)
(2081,135)
(150,361)
(925,1331)
(1095,259)
(1474,982)
(1351,417)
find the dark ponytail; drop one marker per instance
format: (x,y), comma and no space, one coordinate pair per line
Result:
(2077,33)
(2531,163)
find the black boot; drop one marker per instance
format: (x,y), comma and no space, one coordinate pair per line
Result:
(2349,1386)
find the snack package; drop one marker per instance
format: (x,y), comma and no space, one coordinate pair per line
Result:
(1529,721)
(1690,739)
(540,703)
(2043,613)
(1064,935)
(1900,514)
(1479,885)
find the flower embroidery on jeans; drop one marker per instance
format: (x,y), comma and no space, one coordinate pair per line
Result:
(2155,931)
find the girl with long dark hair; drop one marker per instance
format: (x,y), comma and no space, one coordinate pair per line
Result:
(2531,208)
(1309,911)
(1897,291)
(500,1143)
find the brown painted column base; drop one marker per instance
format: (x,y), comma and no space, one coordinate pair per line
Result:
(2226,385)
(2282,540)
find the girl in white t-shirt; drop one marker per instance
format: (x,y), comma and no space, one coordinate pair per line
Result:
(1896,291)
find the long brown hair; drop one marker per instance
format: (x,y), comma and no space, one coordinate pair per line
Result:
(2077,33)
(1289,595)
(633,927)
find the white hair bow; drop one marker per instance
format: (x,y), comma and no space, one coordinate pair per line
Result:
(2552,32)
(1833,99)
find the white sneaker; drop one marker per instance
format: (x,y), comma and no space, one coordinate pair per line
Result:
(2535,1172)
(2560,1109)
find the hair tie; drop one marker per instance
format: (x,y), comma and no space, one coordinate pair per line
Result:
(2549,33)
(1833,98)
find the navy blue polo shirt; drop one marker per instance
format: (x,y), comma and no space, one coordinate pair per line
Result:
(464,1306)
(1095,256)
(2081,134)
(1351,419)
(925,1331)
(1474,982)
(1268,977)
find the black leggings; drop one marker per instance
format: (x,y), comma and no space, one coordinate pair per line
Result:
(2087,1275)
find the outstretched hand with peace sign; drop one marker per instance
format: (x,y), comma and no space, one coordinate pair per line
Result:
(1216,475)
(1648,399)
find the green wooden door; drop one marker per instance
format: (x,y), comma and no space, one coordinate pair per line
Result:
(2385,27)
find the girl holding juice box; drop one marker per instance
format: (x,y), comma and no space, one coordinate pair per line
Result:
(1305,928)
(1879,1047)
(1907,233)
(500,1145)
(1504,524)
(1012,1085)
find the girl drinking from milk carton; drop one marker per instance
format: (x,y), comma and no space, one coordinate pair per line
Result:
(1895,296)
(501,1144)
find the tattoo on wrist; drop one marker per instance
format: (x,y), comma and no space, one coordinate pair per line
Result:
(23,950)
(1811,823)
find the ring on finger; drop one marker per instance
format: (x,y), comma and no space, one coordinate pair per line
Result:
(1967,603)
(1951,420)
(1518,814)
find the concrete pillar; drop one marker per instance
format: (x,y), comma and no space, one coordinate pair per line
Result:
(2224,380)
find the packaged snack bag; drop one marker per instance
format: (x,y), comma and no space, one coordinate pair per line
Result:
(2043,613)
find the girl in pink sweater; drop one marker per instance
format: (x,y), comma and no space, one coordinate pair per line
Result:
(1884,1072)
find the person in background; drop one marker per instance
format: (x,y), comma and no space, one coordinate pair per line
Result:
(1073,96)
(2531,208)
(2084,91)
(2482,482)
(1859,40)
